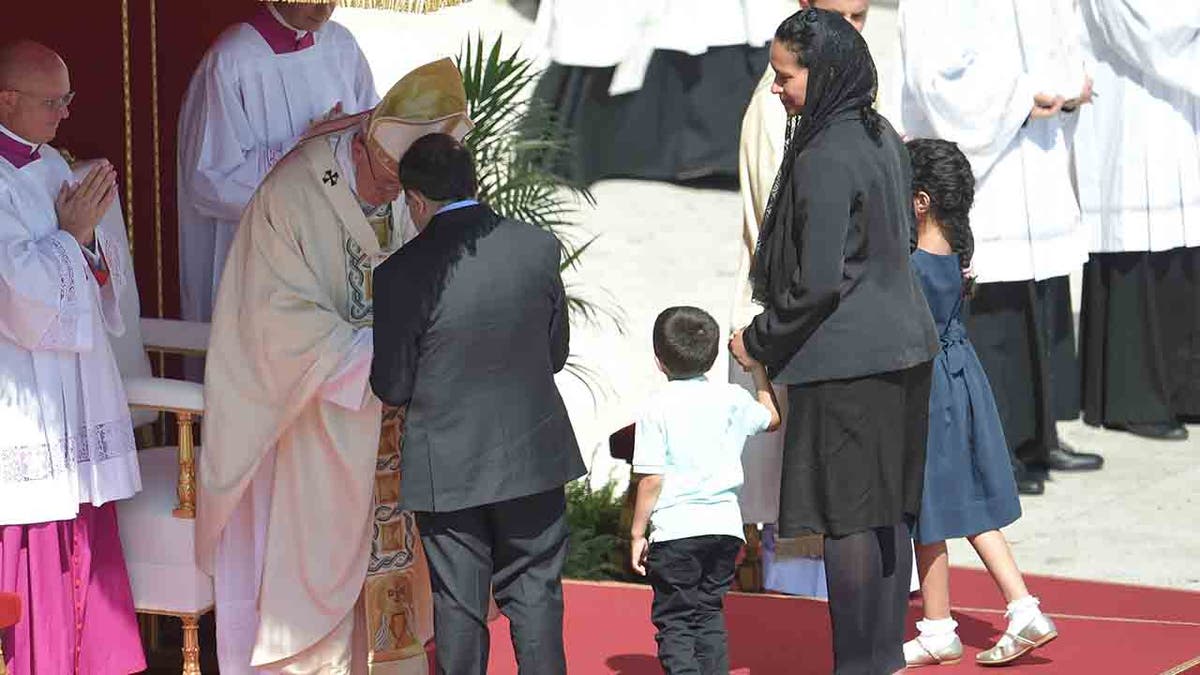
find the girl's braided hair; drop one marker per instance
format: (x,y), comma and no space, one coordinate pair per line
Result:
(941,171)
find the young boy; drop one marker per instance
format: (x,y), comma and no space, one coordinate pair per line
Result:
(688,459)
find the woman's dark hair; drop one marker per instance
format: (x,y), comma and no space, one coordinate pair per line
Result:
(941,170)
(685,341)
(439,167)
(841,82)
(841,71)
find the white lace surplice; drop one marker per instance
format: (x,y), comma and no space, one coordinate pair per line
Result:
(67,436)
(625,33)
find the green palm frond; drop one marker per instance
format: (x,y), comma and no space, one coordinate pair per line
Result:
(571,260)
(514,140)
(594,519)
(591,378)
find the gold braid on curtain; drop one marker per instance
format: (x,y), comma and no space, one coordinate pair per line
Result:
(410,6)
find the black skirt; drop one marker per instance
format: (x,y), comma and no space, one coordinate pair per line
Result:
(1024,334)
(684,123)
(854,453)
(1140,340)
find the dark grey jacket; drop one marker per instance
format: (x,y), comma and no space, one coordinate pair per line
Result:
(470,327)
(853,306)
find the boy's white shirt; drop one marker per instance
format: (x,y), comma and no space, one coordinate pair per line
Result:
(692,432)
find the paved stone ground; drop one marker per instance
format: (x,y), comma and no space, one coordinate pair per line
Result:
(1137,521)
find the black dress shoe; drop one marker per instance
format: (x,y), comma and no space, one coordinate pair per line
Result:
(1027,483)
(1037,471)
(1063,458)
(1160,431)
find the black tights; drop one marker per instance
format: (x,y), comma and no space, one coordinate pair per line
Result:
(868,575)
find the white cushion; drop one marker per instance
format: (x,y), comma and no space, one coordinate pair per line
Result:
(173,335)
(160,549)
(164,393)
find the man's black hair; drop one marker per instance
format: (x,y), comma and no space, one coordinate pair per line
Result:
(439,167)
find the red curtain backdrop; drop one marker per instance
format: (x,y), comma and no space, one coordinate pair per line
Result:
(169,36)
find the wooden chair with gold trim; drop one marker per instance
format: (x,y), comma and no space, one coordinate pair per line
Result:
(158,531)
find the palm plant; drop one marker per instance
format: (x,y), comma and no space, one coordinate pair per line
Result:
(595,549)
(514,142)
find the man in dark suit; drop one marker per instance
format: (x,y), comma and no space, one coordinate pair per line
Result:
(470,327)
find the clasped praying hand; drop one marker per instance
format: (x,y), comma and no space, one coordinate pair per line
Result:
(80,207)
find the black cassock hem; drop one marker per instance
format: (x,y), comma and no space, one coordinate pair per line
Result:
(1140,340)
(1024,334)
(683,124)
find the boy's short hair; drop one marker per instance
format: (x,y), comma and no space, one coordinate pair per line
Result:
(685,341)
(439,167)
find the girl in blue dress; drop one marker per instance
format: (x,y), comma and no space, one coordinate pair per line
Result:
(969,487)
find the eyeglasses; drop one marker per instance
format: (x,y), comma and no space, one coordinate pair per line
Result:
(56,104)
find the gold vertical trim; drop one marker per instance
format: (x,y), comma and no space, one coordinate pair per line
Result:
(158,249)
(126,77)
(191,645)
(185,484)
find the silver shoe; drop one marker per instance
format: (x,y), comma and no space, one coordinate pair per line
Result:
(917,653)
(1012,647)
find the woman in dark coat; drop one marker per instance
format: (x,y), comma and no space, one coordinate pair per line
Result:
(846,327)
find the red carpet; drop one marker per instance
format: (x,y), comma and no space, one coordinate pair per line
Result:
(1104,629)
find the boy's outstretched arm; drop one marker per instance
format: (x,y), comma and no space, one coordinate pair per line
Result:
(648,488)
(765,394)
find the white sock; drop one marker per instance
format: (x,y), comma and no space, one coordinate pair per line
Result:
(1021,612)
(937,633)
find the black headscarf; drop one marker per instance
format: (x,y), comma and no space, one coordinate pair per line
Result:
(841,80)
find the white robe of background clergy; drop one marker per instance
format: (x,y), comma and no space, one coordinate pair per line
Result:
(625,33)
(1137,149)
(971,70)
(66,437)
(759,155)
(245,108)
(291,428)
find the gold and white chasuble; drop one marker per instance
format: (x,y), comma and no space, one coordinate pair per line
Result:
(290,312)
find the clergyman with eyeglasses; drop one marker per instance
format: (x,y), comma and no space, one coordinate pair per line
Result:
(66,439)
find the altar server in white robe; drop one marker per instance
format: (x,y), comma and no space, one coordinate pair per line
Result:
(260,87)
(1137,163)
(66,439)
(791,566)
(999,77)
(293,470)
(652,90)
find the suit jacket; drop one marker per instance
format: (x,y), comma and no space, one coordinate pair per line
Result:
(470,327)
(853,306)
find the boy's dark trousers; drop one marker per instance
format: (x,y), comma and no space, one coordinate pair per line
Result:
(690,578)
